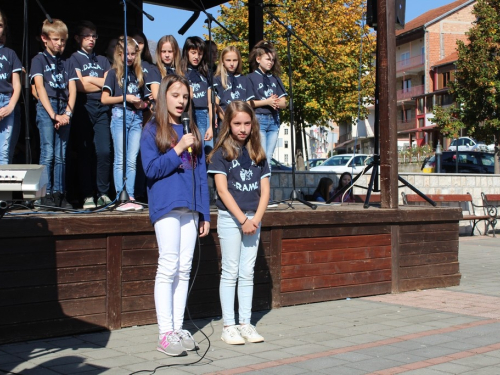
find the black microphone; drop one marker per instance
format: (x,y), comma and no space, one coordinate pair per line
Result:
(185,126)
(189,22)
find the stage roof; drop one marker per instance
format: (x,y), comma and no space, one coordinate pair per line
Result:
(187,4)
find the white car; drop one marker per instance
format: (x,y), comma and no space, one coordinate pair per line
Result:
(467,144)
(353,163)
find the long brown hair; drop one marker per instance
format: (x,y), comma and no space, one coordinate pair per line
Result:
(166,136)
(118,62)
(323,188)
(261,48)
(231,148)
(176,63)
(194,42)
(221,69)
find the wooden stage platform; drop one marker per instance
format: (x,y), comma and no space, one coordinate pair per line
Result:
(64,274)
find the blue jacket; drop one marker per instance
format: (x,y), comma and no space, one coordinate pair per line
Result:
(170,178)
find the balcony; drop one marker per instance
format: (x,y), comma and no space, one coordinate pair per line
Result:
(406,94)
(345,137)
(406,125)
(411,65)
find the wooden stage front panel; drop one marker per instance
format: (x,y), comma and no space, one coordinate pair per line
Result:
(70,274)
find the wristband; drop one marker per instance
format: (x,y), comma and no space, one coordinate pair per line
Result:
(244,221)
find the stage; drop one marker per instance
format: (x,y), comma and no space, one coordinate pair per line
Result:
(70,274)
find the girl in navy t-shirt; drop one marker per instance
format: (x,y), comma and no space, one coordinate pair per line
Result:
(242,179)
(168,56)
(269,93)
(229,83)
(194,67)
(10,89)
(112,94)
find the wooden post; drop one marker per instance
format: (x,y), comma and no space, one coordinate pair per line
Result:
(114,282)
(386,70)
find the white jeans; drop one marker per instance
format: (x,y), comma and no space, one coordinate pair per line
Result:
(239,253)
(176,234)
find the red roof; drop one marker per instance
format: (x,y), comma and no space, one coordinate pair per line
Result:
(448,59)
(429,16)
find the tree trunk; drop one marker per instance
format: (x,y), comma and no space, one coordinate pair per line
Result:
(299,155)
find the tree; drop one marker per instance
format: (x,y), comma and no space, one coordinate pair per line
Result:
(476,88)
(321,92)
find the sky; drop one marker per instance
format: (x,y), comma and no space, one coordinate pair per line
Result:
(170,20)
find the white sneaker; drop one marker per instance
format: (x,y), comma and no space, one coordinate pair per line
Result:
(231,335)
(249,333)
(170,344)
(89,203)
(187,340)
(126,207)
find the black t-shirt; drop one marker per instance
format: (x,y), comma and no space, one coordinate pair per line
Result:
(199,84)
(263,90)
(243,184)
(111,84)
(242,90)
(90,66)
(9,63)
(151,75)
(56,72)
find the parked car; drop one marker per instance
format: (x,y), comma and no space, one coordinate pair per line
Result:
(353,163)
(277,166)
(315,162)
(468,162)
(467,144)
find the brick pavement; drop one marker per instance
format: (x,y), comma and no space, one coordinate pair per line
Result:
(440,331)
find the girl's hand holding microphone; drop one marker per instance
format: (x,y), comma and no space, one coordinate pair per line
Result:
(185,143)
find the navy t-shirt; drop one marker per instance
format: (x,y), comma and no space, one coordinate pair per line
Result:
(242,90)
(199,84)
(9,63)
(56,72)
(151,75)
(111,84)
(243,184)
(263,91)
(90,66)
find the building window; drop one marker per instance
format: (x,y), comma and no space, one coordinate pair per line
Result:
(286,158)
(286,131)
(405,58)
(286,144)
(406,115)
(406,85)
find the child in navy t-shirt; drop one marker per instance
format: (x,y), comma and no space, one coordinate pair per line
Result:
(10,89)
(54,78)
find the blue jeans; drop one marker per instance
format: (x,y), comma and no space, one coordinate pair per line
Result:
(239,253)
(202,121)
(6,126)
(53,145)
(133,141)
(269,129)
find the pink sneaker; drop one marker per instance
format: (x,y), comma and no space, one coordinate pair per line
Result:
(126,207)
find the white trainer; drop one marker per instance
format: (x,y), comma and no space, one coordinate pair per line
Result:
(249,333)
(231,335)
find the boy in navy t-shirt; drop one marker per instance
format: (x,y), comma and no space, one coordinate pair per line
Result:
(54,80)
(91,127)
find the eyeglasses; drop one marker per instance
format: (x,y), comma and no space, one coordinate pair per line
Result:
(89,36)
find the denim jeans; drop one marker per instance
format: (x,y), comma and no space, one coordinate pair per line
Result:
(53,144)
(16,130)
(176,234)
(6,126)
(239,253)
(133,141)
(269,129)
(93,139)
(202,121)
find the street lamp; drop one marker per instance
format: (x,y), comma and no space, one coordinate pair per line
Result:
(439,152)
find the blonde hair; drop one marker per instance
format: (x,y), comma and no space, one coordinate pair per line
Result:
(221,69)
(118,61)
(166,136)
(176,63)
(231,148)
(57,27)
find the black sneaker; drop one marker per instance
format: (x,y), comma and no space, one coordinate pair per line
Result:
(60,201)
(47,201)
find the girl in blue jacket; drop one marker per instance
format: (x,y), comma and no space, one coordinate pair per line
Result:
(175,169)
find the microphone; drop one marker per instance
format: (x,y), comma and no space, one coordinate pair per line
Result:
(189,22)
(185,126)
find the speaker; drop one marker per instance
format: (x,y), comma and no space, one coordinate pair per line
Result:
(371,13)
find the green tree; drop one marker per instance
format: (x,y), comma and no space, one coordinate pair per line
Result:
(321,92)
(477,85)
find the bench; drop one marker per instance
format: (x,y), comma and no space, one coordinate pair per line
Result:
(463,201)
(491,203)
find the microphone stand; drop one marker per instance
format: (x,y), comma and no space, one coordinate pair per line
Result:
(124,197)
(294,195)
